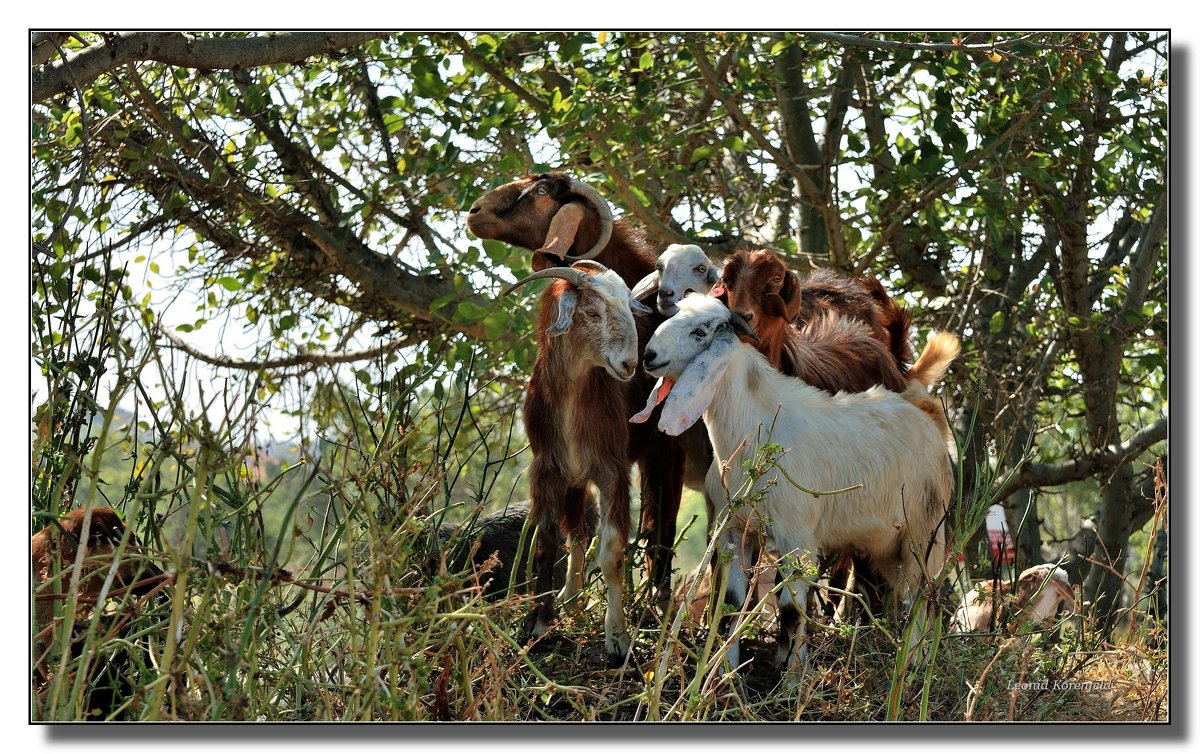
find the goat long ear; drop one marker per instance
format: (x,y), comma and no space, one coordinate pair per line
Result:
(785,304)
(638,308)
(563,227)
(697,386)
(566,312)
(646,286)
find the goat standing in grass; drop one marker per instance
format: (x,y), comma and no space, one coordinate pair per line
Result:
(838,334)
(587,353)
(563,220)
(875,442)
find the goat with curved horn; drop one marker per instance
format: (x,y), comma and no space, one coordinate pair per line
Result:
(571,275)
(606,219)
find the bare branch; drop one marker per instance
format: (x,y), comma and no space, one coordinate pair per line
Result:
(1098,462)
(311,359)
(1141,268)
(888,44)
(177,48)
(45,44)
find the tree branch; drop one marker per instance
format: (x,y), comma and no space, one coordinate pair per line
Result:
(1100,461)
(1141,269)
(906,209)
(888,44)
(177,48)
(310,359)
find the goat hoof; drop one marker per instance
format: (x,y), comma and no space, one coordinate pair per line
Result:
(618,653)
(615,660)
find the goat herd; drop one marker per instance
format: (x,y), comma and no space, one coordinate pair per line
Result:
(819,367)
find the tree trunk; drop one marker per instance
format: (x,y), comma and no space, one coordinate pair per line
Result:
(1105,583)
(801,144)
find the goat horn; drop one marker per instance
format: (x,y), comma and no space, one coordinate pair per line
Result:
(606,219)
(574,277)
(591,264)
(742,326)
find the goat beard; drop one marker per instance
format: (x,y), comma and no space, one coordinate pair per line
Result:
(661,390)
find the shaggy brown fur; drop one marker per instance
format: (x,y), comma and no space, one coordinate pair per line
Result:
(861,348)
(53,551)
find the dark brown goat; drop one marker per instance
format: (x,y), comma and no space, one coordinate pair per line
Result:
(104,534)
(498,534)
(53,551)
(560,219)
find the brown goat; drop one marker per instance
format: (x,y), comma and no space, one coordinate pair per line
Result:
(866,345)
(560,219)
(53,551)
(851,352)
(1041,594)
(104,534)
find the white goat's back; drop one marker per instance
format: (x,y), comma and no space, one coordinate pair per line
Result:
(875,439)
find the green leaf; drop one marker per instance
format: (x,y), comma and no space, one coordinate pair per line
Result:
(469,311)
(701,153)
(229,284)
(645,61)
(495,325)
(996,323)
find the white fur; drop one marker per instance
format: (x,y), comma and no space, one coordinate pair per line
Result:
(875,439)
(681,269)
(623,348)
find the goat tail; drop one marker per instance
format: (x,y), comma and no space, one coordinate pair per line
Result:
(941,349)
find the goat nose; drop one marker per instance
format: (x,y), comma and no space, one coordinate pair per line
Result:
(474,209)
(650,355)
(666,292)
(630,365)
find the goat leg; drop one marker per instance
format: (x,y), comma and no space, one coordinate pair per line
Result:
(662,486)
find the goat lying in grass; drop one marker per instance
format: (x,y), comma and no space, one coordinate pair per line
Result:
(54,552)
(874,444)
(498,534)
(1041,594)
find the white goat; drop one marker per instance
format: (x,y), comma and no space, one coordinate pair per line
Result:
(1041,593)
(681,269)
(874,441)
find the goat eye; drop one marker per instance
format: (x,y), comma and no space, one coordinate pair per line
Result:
(702,269)
(592,313)
(698,333)
(541,191)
